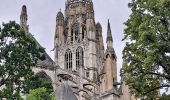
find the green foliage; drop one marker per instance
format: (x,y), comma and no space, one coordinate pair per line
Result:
(147,52)
(18,53)
(40,94)
(165,97)
(38,82)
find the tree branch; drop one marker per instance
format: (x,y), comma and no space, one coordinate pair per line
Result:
(159,32)
(157,74)
(156,88)
(163,66)
(3,81)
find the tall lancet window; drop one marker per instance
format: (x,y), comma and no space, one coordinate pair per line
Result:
(68,60)
(83,31)
(79,58)
(72,30)
(75,33)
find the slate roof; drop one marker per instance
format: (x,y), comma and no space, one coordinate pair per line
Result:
(48,62)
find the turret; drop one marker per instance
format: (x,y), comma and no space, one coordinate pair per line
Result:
(24,18)
(59,33)
(110,66)
(90,28)
(110,53)
(99,38)
(90,22)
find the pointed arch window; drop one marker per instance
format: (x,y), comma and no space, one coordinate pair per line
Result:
(83,31)
(68,60)
(65,34)
(75,33)
(79,58)
(72,35)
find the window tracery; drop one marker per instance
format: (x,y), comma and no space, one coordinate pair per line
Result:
(75,33)
(83,31)
(79,58)
(68,60)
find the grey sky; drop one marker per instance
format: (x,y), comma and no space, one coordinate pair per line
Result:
(42,13)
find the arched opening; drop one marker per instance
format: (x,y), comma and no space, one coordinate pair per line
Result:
(75,33)
(107,56)
(83,31)
(44,81)
(72,35)
(65,35)
(79,58)
(68,60)
(87,74)
(43,74)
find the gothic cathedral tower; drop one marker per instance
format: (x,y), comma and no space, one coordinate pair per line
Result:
(82,68)
(79,48)
(78,40)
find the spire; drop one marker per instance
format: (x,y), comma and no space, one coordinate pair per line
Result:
(23,18)
(110,50)
(109,39)
(109,33)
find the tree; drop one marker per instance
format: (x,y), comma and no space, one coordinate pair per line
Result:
(147,51)
(40,94)
(39,82)
(18,53)
(165,97)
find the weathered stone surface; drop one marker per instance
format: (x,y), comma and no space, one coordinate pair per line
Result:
(80,54)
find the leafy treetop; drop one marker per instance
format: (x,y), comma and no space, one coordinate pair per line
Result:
(147,51)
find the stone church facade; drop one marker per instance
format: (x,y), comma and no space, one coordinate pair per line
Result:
(82,69)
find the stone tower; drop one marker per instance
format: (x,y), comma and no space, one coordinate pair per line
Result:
(82,68)
(79,50)
(78,40)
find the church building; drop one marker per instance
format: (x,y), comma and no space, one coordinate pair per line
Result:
(82,68)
